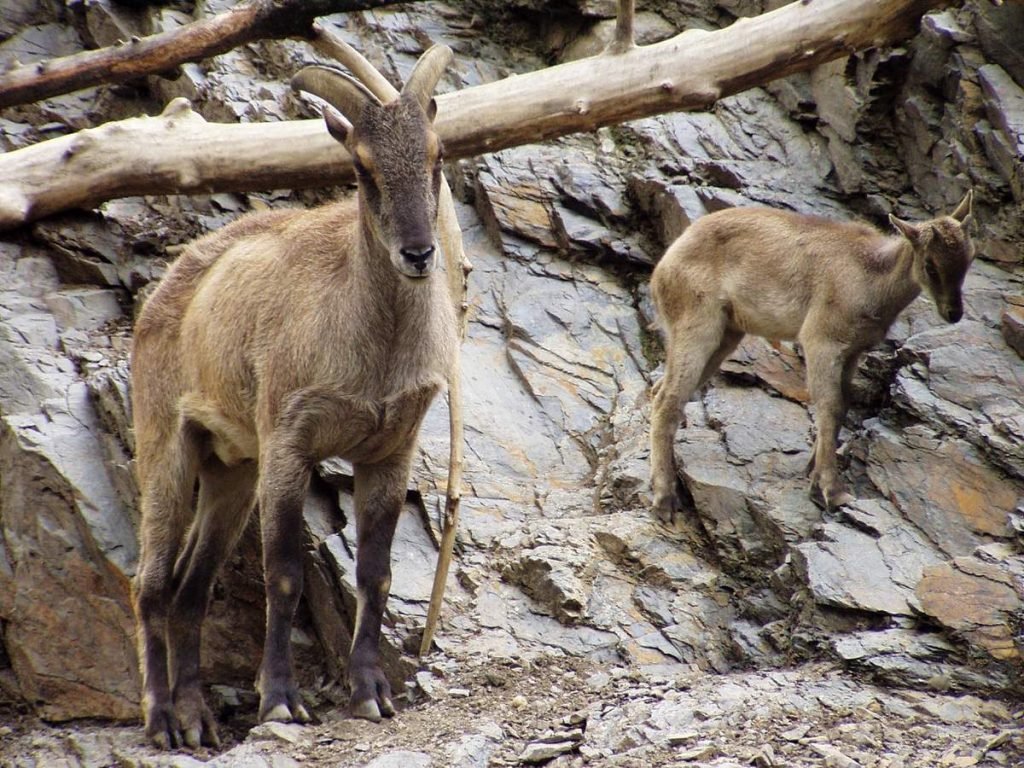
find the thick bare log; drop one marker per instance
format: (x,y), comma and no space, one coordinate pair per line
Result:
(689,71)
(254,20)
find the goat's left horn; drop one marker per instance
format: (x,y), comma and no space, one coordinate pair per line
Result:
(426,73)
(344,93)
(963,210)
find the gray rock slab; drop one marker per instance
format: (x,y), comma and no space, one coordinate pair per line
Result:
(960,379)
(851,569)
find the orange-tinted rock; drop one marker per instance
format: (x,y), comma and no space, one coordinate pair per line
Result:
(775,364)
(978,600)
(954,497)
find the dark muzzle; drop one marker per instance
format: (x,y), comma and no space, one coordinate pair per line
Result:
(418,258)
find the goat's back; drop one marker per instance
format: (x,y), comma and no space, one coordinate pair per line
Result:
(766,268)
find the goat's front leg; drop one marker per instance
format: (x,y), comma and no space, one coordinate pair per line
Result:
(380,492)
(284,479)
(828,364)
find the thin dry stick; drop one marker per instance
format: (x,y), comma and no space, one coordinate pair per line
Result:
(458,268)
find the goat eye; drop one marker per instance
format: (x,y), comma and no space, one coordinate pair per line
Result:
(931,271)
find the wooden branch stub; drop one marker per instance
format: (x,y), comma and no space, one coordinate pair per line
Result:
(624,38)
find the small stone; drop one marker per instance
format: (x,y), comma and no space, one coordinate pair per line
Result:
(458,693)
(703,752)
(540,752)
(834,758)
(402,758)
(576,718)
(598,680)
(292,733)
(519,701)
(797,733)
(683,737)
(425,682)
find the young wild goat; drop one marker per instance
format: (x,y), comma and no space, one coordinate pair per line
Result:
(282,339)
(836,287)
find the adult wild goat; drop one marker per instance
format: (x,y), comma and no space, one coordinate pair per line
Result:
(282,339)
(836,287)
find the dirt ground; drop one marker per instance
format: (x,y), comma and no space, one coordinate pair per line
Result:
(567,712)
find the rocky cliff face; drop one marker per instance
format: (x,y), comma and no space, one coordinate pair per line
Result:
(918,583)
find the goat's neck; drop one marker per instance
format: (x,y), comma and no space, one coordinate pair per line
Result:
(898,285)
(410,319)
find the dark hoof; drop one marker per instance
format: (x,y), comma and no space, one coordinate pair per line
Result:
(837,497)
(371,696)
(666,508)
(190,725)
(162,729)
(831,498)
(283,707)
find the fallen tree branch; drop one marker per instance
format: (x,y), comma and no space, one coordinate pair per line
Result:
(254,20)
(458,269)
(171,154)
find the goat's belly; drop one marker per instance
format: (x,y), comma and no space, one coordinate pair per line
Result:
(394,431)
(230,439)
(770,325)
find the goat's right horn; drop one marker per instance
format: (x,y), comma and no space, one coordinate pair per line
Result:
(426,73)
(344,93)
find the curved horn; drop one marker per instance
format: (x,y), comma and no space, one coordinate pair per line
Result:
(963,210)
(426,73)
(344,93)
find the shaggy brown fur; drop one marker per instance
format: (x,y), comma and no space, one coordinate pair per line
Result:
(282,339)
(836,287)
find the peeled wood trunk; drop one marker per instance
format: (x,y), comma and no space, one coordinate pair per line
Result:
(178,152)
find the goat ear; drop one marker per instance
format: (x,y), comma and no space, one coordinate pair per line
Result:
(426,73)
(908,230)
(344,93)
(337,124)
(963,210)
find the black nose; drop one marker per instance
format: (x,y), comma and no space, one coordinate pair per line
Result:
(418,257)
(955,314)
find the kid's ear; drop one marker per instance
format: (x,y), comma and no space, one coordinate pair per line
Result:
(910,231)
(337,124)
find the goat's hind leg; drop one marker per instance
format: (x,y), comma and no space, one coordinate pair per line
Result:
(696,347)
(380,493)
(169,472)
(226,497)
